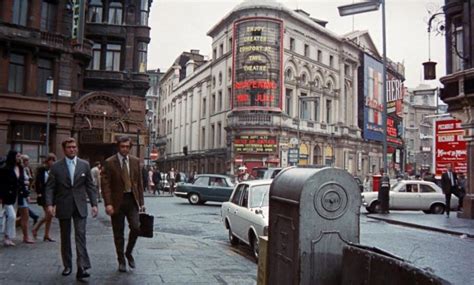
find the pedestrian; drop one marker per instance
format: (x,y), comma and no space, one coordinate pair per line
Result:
(12,188)
(95,172)
(462,190)
(23,200)
(384,192)
(151,184)
(29,178)
(157,181)
(171,180)
(122,185)
(366,184)
(178,176)
(42,174)
(69,181)
(449,186)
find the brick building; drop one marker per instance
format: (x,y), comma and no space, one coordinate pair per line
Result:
(95,52)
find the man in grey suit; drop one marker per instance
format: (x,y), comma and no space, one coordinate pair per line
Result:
(65,197)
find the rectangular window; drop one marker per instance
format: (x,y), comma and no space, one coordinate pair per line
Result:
(214,53)
(331,61)
(458,44)
(292,44)
(306,50)
(229,92)
(317,109)
(203,138)
(304,107)
(16,73)
(230,44)
(95,11)
(19,12)
(320,55)
(328,111)
(142,52)
(115,13)
(48,16)
(219,135)
(94,64)
(112,59)
(219,101)
(221,49)
(213,104)
(213,136)
(45,70)
(204,107)
(288,95)
(144,13)
(347,70)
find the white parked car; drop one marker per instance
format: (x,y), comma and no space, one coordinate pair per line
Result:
(411,195)
(245,215)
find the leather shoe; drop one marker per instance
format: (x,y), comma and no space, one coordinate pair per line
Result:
(122,267)
(131,260)
(82,273)
(67,271)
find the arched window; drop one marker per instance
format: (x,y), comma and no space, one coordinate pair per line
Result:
(289,74)
(115,13)
(317,155)
(303,78)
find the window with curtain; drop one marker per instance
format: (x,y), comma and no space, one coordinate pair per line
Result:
(45,70)
(20,12)
(112,60)
(95,11)
(115,13)
(304,107)
(48,15)
(328,111)
(317,109)
(142,54)
(144,12)
(16,73)
(96,55)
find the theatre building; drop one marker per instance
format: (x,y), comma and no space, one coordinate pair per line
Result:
(280,89)
(94,53)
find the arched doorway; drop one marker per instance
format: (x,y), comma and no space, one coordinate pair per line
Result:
(317,155)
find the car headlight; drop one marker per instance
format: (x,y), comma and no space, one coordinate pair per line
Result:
(265,230)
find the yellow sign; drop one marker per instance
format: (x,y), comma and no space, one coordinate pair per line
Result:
(328,151)
(304,154)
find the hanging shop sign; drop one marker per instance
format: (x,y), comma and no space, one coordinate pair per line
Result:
(450,146)
(257,60)
(255,144)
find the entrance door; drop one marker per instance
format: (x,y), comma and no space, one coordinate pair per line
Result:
(96,152)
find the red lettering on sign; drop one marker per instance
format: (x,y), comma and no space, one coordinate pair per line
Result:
(243,98)
(255,84)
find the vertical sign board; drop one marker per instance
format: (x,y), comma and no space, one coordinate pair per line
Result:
(373,104)
(257,64)
(450,146)
(78,18)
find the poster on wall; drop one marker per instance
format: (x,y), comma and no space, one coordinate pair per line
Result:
(373,103)
(450,146)
(257,60)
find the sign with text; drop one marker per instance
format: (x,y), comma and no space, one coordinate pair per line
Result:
(255,144)
(373,103)
(450,146)
(257,59)
(293,156)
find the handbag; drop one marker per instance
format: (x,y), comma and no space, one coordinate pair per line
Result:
(146,225)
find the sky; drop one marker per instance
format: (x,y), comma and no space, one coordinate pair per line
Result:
(182,25)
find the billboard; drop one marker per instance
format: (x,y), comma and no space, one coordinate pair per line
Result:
(257,64)
(450,146)
(255,144)
(373,104)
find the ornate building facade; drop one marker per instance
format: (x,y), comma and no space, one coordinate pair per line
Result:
(95,53)
(279,90)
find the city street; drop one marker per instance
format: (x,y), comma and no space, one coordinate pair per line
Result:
(190,247)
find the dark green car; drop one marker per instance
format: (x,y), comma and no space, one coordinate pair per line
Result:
(206,187)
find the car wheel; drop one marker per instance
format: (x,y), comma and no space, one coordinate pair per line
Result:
(437,209)
(374,207)
(232,239)
(194,199)
(427,211)
(254,245)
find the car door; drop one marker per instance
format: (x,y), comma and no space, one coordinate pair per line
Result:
(241,213)
(201,186)
(405,198)
(428,196)
(221,190)
(234,205)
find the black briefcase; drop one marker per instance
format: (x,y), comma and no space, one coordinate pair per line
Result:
(146,225)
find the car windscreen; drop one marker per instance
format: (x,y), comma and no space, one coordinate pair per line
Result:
(260,195)
(260,173)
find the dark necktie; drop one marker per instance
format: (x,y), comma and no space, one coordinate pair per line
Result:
(126,175)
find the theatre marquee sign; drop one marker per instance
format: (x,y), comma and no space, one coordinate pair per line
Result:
(257,59)
(255,144)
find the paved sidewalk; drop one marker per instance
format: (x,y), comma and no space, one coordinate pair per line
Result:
(438,223)
(166,258)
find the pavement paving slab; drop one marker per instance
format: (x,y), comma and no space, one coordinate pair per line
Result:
(438,223)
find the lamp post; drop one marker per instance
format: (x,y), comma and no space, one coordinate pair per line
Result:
(363,7)
(49,94)
(103,129)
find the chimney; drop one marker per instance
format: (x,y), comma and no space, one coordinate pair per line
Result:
(190,66)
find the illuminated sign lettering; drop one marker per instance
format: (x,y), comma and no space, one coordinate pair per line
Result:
(255,144)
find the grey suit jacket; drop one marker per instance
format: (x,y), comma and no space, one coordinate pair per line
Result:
(63,195)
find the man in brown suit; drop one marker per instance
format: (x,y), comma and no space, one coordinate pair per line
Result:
(122,189)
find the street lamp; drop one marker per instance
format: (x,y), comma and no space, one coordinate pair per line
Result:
(49,94)
(149,114)
(363,7)
(103,129)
